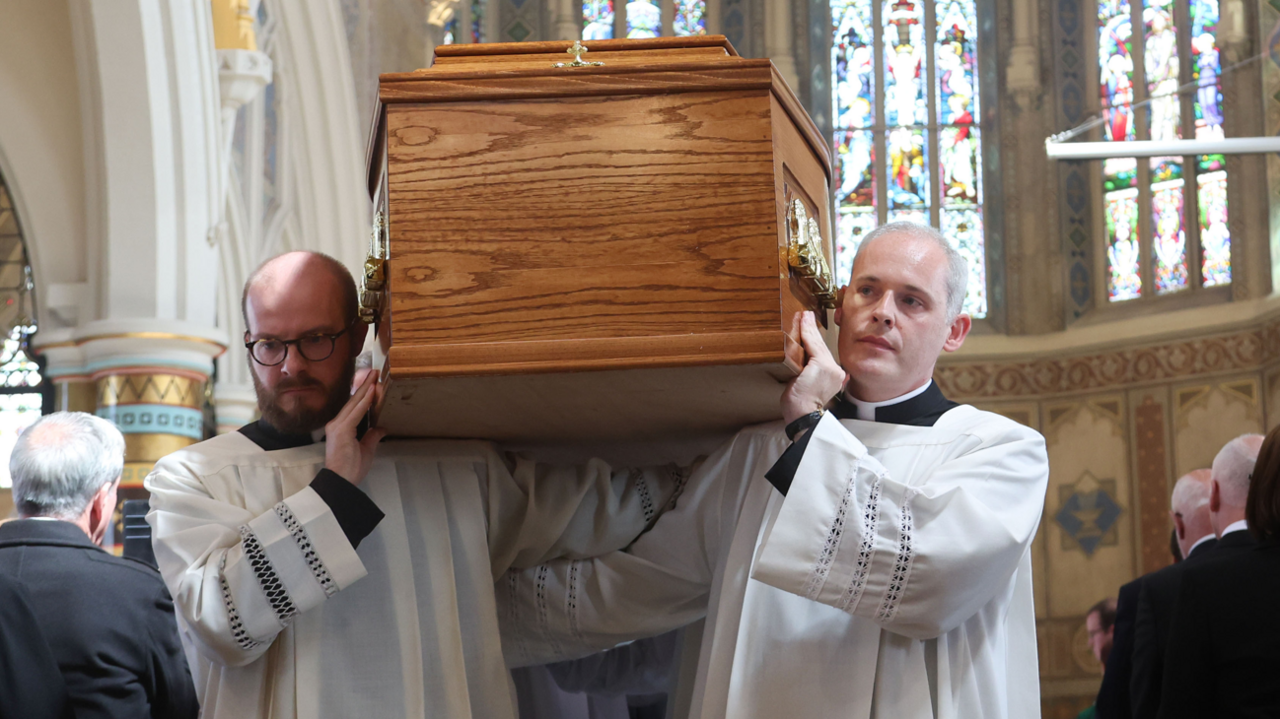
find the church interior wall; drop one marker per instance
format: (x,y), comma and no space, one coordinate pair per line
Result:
(1122,421)
(41,148)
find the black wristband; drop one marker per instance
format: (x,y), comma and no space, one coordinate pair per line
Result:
(809,421)
(357,515)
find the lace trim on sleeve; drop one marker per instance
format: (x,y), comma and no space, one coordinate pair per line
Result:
(314,563)
(238,632)
(862,565)
(646,497)
(540,596)
(679,477)
(270,582)
(571,598)
(822,567)
(902,566)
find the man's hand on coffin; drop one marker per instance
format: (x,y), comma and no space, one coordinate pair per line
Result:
(346,454)
(821,379)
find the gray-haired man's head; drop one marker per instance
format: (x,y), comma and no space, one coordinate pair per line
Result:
(61,462)
(957,277)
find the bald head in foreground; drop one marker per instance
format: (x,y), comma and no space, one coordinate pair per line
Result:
(318,573)
(1209,512)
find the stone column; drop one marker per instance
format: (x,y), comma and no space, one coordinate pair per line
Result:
(148,377)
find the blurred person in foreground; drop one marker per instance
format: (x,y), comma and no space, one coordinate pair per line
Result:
(1100,622)
(1148,631)
(31,684)
(108,620)
(1223,658)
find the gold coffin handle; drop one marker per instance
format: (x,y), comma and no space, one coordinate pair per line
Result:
(805,255)
(375,275)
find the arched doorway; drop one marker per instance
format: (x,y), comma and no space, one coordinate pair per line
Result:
(22,387)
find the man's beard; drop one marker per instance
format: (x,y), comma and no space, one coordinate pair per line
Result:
(303,420)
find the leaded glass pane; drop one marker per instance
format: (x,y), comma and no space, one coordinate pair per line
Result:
(912,109)
(908,176)
(905,102)
(957,62)
(477,20)
(690,17)
(450,31)
(644,19)
(853,64)
(17,412)
(1205,69)
(1124,280)
(1160,60)
(963,227)
(1215,238)
(855,195)
(597,19)
(1169,237)
(961,166)
(1115,64)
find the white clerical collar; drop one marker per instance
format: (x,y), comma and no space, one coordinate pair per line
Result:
(1200,541)
(317,435)
(1239,526)
(867,410)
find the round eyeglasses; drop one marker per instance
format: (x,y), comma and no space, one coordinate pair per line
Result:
(313,348)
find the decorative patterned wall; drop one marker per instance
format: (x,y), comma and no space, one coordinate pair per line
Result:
(1121,425)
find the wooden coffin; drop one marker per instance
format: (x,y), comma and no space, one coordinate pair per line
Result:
(609,250)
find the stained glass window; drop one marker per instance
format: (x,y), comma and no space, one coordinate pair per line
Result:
(922,121)
(644,18)
(1155,212)
(21,386)
(690,18)
(465,24)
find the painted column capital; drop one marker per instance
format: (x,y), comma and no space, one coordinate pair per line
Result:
(109,347)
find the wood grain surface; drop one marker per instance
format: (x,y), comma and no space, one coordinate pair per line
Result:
(546,82)
(625,217)
(559,234)
(671,45)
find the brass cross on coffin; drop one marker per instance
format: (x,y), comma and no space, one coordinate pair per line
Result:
(577,50)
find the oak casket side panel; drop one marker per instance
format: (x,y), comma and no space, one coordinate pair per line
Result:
(598,253)
(583,218)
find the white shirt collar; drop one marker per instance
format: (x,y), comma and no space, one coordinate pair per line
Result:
(317,435)
(1235,527)
(1200,541)
(867,410)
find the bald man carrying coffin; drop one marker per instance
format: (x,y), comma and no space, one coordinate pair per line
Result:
(878,566)
(318,574)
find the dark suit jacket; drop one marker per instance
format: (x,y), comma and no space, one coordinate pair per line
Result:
(31,685)
(108,620)
(1113,695)
(1151,630)
(1223,659)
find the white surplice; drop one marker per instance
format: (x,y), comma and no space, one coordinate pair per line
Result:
(892,581)
(282,617)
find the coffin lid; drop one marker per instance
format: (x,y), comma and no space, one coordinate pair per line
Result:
(525,70)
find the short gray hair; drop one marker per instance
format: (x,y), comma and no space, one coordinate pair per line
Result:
(61,461)
(957,267)
(1191,492)
(1234,465)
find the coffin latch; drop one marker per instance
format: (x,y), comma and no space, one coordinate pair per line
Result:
(375,273)
(805,255)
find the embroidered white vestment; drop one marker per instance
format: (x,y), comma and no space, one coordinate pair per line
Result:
(892,581)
